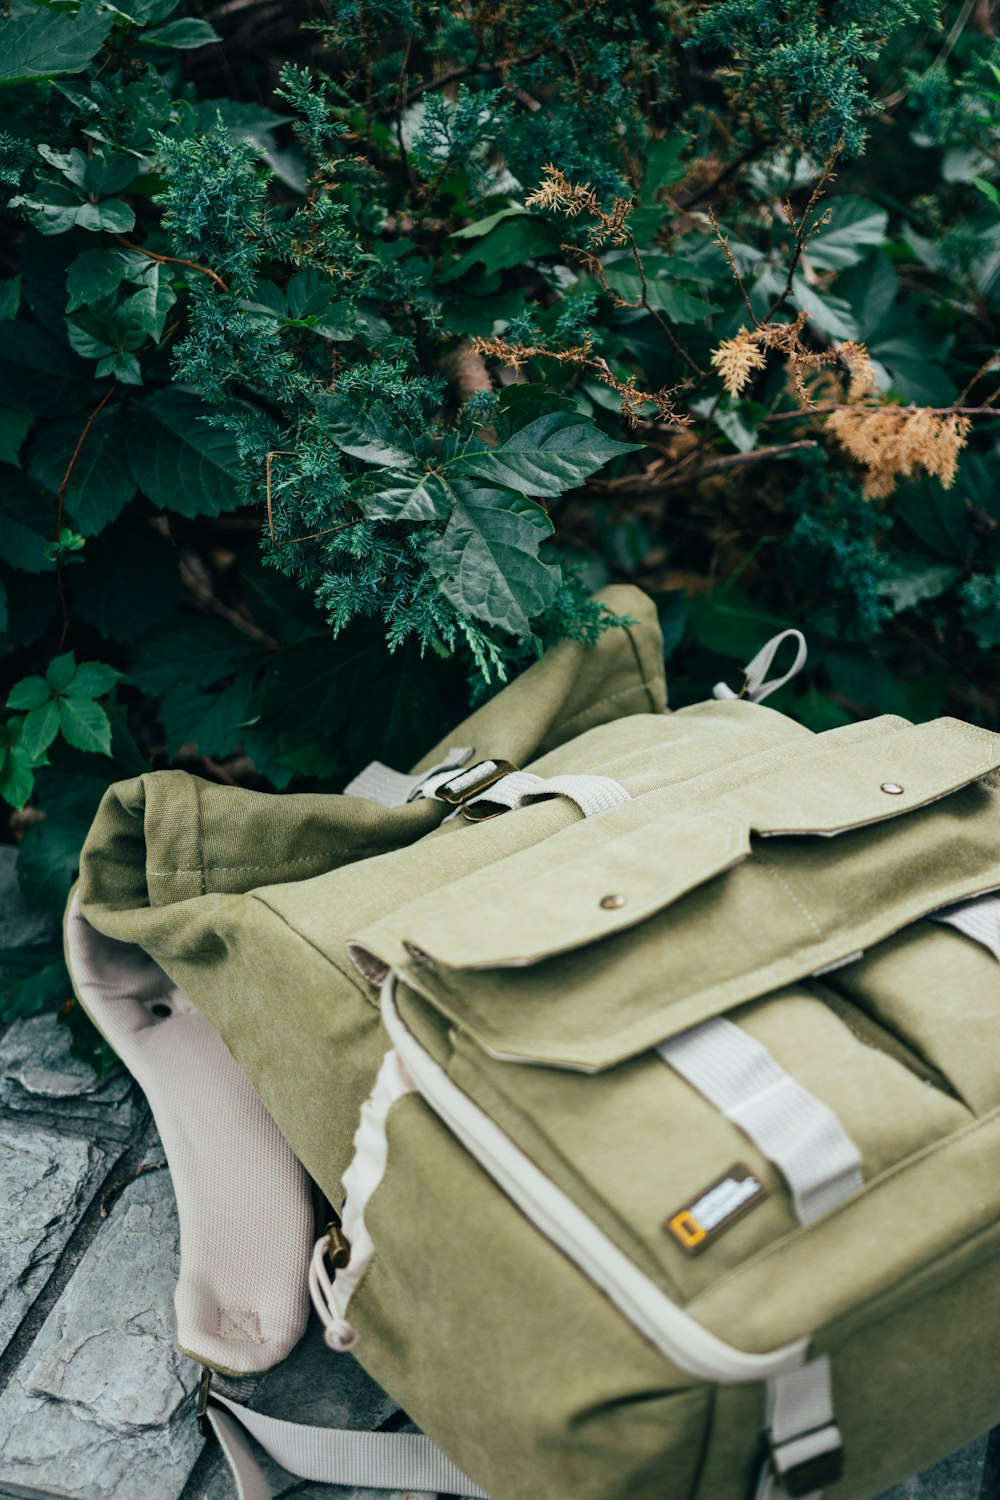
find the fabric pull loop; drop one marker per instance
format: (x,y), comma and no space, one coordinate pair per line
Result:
(755,684)
(791,1127)
(591,794)
(326,1455)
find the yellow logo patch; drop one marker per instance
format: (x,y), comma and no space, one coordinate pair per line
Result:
(716,1207)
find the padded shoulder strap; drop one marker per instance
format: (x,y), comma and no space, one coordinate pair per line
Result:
(364,1460)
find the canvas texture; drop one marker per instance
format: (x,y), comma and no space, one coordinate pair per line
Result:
(760,872)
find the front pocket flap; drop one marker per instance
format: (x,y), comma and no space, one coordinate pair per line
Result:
(870,781)
(636,874)
(581,886)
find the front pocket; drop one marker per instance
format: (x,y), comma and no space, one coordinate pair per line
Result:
(621,930)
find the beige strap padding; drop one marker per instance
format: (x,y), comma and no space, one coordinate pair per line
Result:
(367,1460)
(243,1198)
(978,919)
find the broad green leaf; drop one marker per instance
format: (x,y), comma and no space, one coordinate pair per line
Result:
(37,373)
(241,120)
(855,227)
(398,495)
(41,726)
(179,461)
(85,724)
(315,684)
(3,605)
(184,35)
(680,305)
(192,648)
(33,978)
(484,226)
(486,561)
(61,671)
(831,315)
(17,776)
(27,527)
(146,310)
(97,273)
(110,214)
(937,516)
(29,693)
(210,721)
(43,43)
(731,623)
(555,452)
(10,297)
(129,580)
(14,427)
(92,679)
(53,207)
(512,241)
(101,483)
(914,579)
(49,856)
(371,440)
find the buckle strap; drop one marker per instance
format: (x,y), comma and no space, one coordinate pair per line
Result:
(805,1450)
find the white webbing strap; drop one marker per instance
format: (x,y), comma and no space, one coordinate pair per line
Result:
(791,1127)
(805,1448)
(755,684)
(978,919)
(329,1455)
(391,788)
(592,794)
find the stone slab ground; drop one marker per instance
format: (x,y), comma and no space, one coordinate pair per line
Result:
(95,1402)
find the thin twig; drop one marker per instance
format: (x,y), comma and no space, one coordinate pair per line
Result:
(802,230)
(123,1182)
(310,536)
(205,596)
(717,466)
(466,71)
(984,369)
(820,411)
(171,260)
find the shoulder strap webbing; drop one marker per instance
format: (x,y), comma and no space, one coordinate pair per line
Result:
(364,1460)
(791,1127)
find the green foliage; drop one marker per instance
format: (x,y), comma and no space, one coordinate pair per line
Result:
(325,407)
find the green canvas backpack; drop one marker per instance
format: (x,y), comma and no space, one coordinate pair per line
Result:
(651,1063)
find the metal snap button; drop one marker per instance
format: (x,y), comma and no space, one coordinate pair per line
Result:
(892,787)
(611,903)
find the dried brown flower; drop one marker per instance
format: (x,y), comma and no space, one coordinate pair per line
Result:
(895,442)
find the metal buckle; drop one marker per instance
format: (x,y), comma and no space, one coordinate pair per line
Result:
(201,1410)
(812,1473)
(498,769)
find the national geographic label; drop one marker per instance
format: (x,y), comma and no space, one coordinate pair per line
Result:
(699,1222)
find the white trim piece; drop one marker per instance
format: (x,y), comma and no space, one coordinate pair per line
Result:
(978,919)
(689,1346)
(371,1152)
(791,1127)
(591,794)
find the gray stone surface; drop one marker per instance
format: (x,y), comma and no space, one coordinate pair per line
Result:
(47,1180)
(101,1406)
(39,1075)
(957,1477)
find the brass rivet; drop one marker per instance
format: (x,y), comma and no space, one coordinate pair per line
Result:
(611,903)
(892,787)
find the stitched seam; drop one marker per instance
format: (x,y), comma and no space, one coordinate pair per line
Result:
(280,864)
(776,875)
(561,724)
(350,974)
